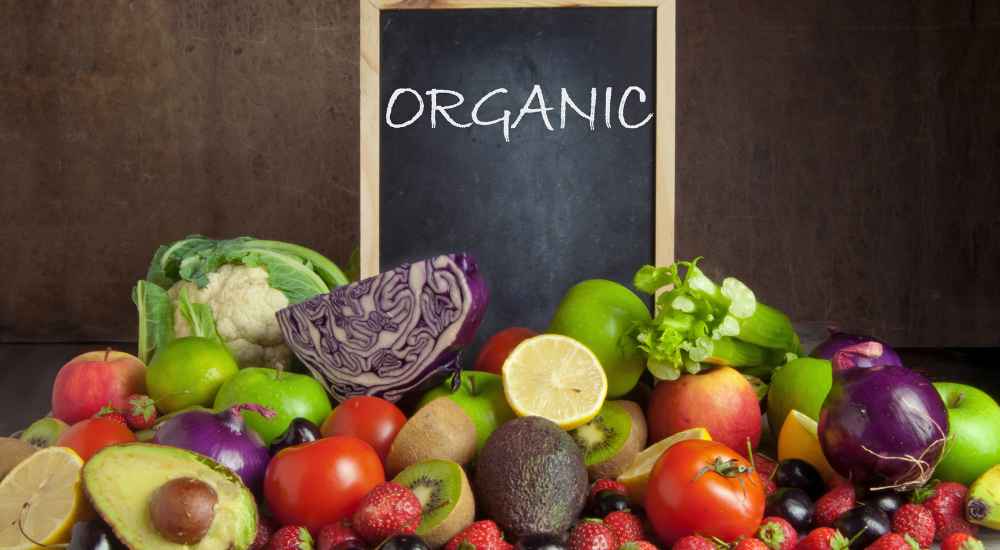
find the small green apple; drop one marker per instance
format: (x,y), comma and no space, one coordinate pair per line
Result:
(973,435)
(481,397)
(289,395)
(599,314)
(188,372)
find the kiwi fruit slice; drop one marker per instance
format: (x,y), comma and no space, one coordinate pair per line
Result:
(44,432)
(440,430)
(447,504)
(12,452)
(612,440)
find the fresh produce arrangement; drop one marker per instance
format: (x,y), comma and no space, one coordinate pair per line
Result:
(274,404)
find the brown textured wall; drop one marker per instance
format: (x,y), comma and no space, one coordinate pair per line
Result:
(124,125)
(842,158)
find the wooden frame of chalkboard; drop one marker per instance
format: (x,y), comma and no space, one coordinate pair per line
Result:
(370,115)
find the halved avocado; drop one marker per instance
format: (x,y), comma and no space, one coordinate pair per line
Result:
(120,481)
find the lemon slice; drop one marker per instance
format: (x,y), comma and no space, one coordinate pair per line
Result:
(798,439)
(43,494)
(555,377)
(635,477)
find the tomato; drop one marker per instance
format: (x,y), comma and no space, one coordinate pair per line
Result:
(499,346)
(322,482)
(370,419)
(86,437)
(706,488)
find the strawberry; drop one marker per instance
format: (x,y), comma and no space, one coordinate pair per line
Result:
(824,538)
(765,468)
(110,413)
(946,501)
(591,535)
(141,412)
(777,533)
(264,531)
(606,485)
(389,509)
(334,534)
(894,541)
(291,538)
(638,545)
(481,535)
(625,526)
(834,503)
(764,465)
(961,541)
(750,544)
(693,542)
(917,521)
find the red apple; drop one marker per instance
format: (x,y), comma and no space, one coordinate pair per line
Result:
(720,400)
(93,380)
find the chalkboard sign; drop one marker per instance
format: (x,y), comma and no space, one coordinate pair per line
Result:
(539,139)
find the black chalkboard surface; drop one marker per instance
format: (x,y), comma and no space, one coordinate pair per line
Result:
(539,209)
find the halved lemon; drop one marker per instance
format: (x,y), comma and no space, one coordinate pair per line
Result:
(635,477)
(798,439)
(43,497)
(555,377)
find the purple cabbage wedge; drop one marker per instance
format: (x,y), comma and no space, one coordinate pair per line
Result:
(883,426)
(838,340)
(395,332)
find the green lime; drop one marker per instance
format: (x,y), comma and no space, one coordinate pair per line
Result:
(188,372)
(801,384)
(600,314)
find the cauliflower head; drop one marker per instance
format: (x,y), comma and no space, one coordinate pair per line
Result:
(243,304)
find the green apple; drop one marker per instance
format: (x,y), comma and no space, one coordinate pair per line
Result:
(973,434)
(289,395)
(800,384)
(188,372)
(599,314)
(481,397)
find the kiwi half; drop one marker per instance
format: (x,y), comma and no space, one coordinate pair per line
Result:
(440,430)
(447,504)
(44,432)
(612,440)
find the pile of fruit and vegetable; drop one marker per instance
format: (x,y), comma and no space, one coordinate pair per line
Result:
(276,404)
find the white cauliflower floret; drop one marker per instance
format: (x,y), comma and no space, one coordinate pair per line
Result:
(243,304)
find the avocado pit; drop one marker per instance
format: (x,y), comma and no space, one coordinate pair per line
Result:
(182,510)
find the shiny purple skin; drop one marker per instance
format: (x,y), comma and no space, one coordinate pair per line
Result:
(223,437)
(883,426)
(837,341)
(392,334)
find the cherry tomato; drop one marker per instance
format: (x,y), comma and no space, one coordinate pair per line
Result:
(86,437)
(499,346)
(706,488)
(322,482)
(370,419)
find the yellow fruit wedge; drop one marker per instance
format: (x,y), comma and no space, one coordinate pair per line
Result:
(635,477)
(43,496)
(555,377)
(798,439)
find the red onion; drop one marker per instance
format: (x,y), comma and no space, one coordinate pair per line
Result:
(884,425)
(837,341)
(223,437)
